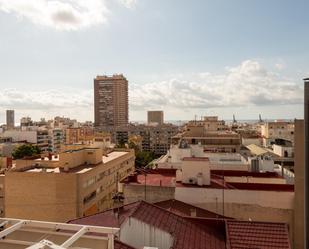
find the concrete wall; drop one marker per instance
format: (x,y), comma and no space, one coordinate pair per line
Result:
(191,169)
(176,154)
(80,157)
(282,150)
(135,192)
(29,136)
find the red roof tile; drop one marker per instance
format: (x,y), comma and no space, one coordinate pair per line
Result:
(186,233)
(108,218)
(195,233)
(260,235)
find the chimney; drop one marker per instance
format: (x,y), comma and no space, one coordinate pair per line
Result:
(306,197)
(9,162)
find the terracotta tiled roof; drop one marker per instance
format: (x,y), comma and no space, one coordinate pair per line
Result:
(108,218)
(259,235)
(187,233)
(195,233)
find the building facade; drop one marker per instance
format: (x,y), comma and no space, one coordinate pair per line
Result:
(272,131)
(155,117)
(68,185)
(10,119)
(111,101)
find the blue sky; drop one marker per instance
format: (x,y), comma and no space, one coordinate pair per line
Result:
(185,57)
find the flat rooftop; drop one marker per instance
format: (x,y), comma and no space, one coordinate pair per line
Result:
(79,169)
(113,155)
(196,159)
(168,179)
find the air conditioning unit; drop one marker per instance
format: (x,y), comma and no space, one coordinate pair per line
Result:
(192,180)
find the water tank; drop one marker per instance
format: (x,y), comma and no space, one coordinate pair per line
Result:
(199,178)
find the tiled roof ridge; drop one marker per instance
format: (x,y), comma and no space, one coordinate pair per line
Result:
(110,209)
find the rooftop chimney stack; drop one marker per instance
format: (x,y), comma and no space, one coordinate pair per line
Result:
(306,197)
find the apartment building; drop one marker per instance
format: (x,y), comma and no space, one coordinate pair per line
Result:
(273,131)
(211,133)
(153,138)
(111,101)
(155,117)
(10,119)
(79,134)
(56,139)
(77,182)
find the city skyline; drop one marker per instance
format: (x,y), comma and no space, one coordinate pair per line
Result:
(205,58)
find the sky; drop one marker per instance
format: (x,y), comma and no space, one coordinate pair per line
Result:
(197,57)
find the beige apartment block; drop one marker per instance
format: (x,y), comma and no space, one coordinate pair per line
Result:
(77,135)
(111,101)
(72,184)
(271,131)
(155,117)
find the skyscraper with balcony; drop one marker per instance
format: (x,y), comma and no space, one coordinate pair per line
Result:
(110,101)
(10,119)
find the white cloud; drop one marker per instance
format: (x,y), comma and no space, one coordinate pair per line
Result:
(61,14)
(128,3)
(248,86)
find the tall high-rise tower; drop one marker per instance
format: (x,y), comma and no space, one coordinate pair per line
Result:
(10,119)
(111,101)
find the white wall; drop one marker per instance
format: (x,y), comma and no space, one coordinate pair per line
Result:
(271,199)
(177,154)
(190,169)
(279,150)
(251,179)
(29,136)
(139,234)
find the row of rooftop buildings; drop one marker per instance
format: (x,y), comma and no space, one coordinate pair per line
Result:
(214,185)
(208,166)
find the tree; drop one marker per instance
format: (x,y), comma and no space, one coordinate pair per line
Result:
(26,150)
(143,158)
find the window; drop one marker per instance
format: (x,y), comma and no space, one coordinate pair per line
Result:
(89,197)
(89,182)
